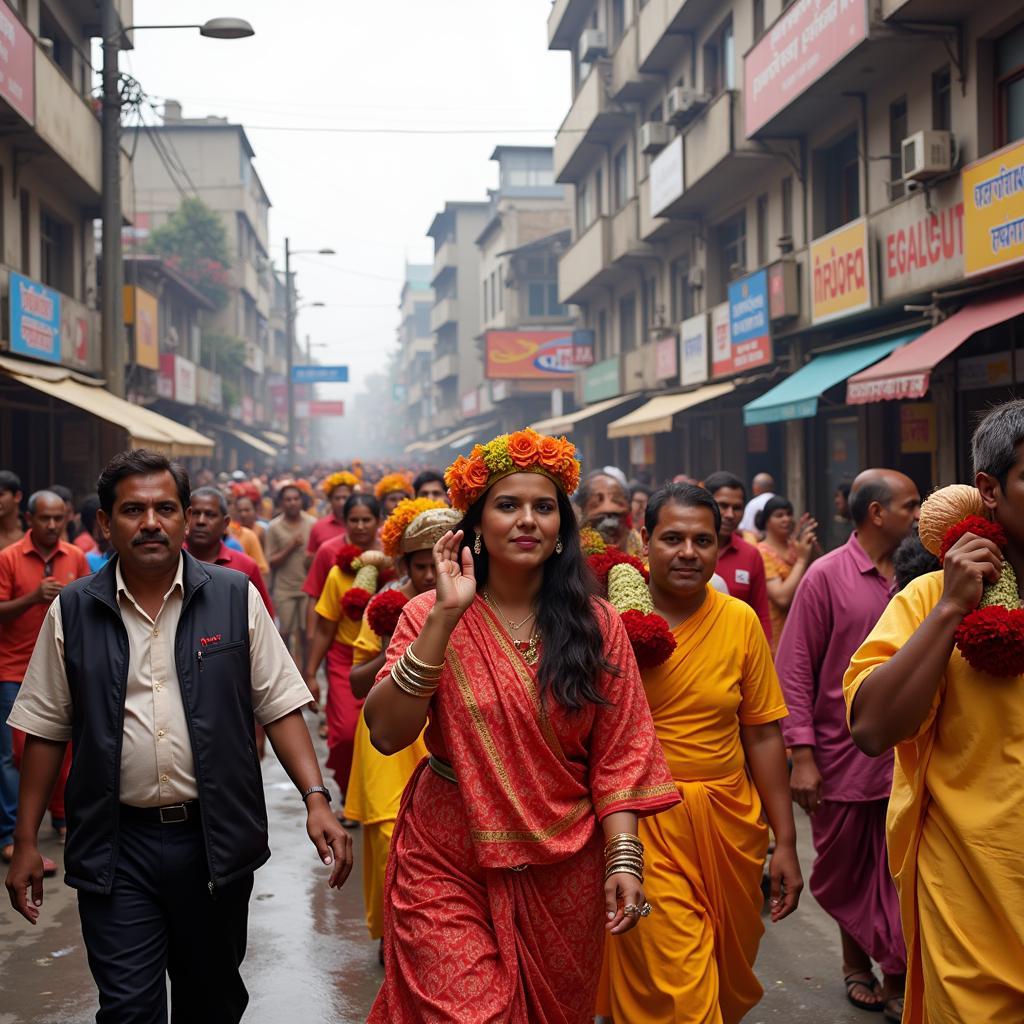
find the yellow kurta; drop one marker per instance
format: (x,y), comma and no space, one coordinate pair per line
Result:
(692,960)
(375,790)
(337,585)
(956,831)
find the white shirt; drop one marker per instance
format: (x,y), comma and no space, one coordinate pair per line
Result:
(754,506)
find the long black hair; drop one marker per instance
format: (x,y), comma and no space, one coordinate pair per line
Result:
(573,658)
(364,500)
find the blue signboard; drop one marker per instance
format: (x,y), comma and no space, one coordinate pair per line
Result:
(35,318)
(749,322)
(320,374)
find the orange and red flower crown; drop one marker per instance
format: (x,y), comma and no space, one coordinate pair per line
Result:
(391,483)
(524,451)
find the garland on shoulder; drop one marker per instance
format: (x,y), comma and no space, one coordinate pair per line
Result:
(368,568)
(345,558)
(385,610)
(990,638)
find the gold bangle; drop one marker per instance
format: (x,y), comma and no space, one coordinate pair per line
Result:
(624,838)
(623,871)
(409,684)
(423,666)
(413,672)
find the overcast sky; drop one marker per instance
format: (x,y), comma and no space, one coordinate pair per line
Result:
(408,65)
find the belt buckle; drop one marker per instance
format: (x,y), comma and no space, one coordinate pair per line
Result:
(173,814)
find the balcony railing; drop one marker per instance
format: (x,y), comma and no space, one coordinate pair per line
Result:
(445,258)
(444,367)
(593,120)
(584,261)
(625,233)
(445,311)
(665,29)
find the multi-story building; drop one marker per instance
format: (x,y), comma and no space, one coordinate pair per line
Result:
(56,418)
(415,351)
(793,222)
(213,159)
(457,368)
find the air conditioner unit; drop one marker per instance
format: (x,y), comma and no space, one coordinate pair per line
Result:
(695,277)
(926,154)
(654,137)
(593,44)
(684,102)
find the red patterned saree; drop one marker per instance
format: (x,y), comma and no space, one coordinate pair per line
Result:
(494,904)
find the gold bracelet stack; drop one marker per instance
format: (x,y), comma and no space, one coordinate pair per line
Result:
(414,677)
(624,853)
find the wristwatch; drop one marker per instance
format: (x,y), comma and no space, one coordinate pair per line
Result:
(317,789)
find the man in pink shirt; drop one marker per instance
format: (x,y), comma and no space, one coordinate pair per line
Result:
(845,792)
(739,563)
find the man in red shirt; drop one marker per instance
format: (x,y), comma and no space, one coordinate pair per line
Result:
(207,524)
(33,571)
(739,563)
(11,529)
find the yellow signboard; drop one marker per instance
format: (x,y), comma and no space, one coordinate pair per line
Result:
(142,310)
(994,210)
(917,428)
(841,272)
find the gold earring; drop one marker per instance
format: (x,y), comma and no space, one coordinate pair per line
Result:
(477,545)
(559,548)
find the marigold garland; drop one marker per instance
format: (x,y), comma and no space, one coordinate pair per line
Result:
(391,483)
(650,637)
(399,521)
(522,451)
(980,527)
(591,541)
(354,602)
(385,610)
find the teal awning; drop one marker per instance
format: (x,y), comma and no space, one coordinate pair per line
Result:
(796,398)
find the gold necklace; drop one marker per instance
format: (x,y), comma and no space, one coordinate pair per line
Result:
(528,649)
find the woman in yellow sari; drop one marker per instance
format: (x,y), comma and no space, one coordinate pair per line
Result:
(716,705)
(376,782)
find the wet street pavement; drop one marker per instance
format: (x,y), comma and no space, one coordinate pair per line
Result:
(310,957)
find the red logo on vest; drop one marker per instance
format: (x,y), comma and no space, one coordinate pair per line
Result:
(207,640)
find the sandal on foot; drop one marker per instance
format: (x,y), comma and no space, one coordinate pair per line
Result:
(893,1009)
(49,867)
(867,981)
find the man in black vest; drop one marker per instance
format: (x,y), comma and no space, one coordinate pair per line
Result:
(155,669)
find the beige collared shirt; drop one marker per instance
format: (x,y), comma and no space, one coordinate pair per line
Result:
(156,756)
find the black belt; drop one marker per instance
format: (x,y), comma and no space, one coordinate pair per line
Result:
(172,814)
(441,768)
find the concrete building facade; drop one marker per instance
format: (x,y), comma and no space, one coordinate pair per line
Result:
(415,351)
(762,184)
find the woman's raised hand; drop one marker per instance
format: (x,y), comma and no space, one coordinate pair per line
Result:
(456,577)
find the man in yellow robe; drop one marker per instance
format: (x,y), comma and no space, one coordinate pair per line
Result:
(377,782)
(716,704)
(956,817)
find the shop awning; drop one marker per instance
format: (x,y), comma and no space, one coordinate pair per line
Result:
(655,416)
(796,398)
(417,446)
(253,442)
(459,438)
(563,424)
(145,428)
(281,440)
(907,372)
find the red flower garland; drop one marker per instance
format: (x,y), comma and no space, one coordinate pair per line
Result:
(650,637)
(385,610)
(980,527)
(345,556)
(992,640)
(354,602)
(602,562)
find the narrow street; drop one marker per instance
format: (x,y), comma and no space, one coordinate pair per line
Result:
(310,958)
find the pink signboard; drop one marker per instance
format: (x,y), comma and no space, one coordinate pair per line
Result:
(666,358)
(811,37)
(17,65)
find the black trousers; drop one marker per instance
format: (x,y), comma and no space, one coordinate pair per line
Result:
(160,919)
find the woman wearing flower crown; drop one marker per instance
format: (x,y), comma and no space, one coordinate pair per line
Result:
(515,850)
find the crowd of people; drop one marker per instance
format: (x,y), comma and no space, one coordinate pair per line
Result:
(565,714)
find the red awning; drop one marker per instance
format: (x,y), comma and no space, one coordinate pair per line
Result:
(906,373)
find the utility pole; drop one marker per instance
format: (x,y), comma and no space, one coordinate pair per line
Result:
(112,268)
(289,330)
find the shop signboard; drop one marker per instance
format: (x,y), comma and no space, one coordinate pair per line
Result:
(318,409)
(693,349)
(34,318)
(917,428)
(810,38)
(666,178)
(536,355)
(313,374)
(177,379)
(841,272)
(921,242)
(17,65)
(749,324)
(641,450)
(994,210)
(602,380)
(471,403)
(994,370)
(666,358)
(721,342)
(142,313)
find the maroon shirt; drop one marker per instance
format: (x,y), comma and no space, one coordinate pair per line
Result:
(839,600)
(741,566)
(240,561)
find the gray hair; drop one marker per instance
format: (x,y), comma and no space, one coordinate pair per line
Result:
(583,494)
(994,445)
(212,492)
(43,496)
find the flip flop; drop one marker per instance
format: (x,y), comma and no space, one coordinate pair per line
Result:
(860,979)
(49,867)
(893,1009)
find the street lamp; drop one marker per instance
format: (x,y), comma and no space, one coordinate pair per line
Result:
(111,266)
(289,322)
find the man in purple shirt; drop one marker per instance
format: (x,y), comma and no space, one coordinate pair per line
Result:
(846,793)
(739,563)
